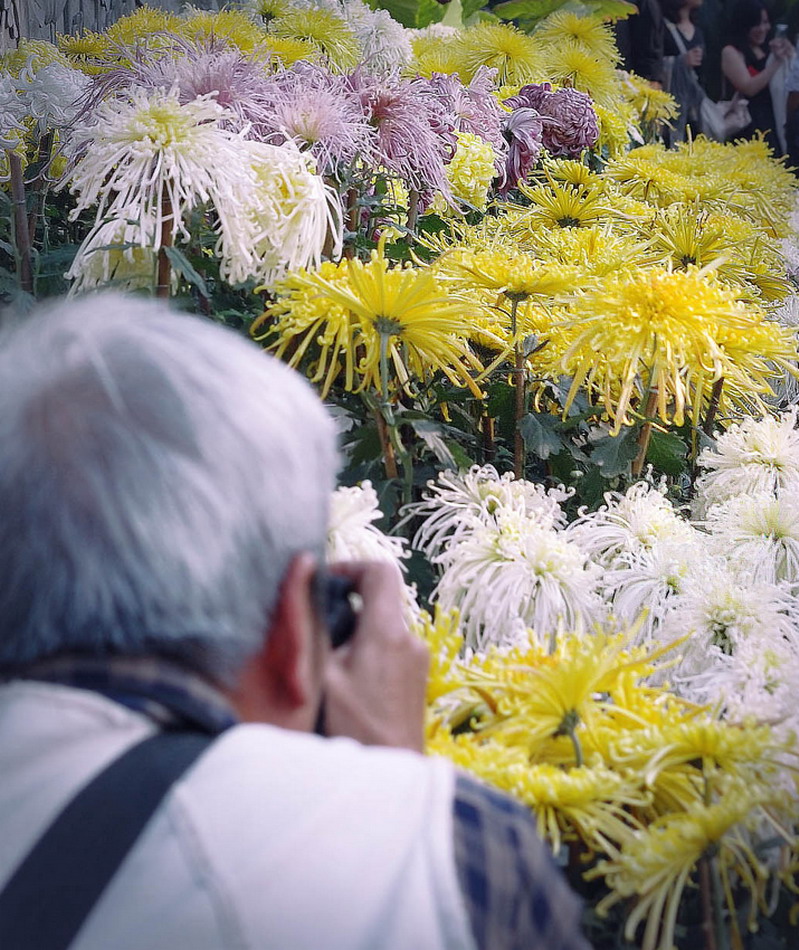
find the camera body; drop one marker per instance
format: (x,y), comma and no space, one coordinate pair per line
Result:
(338,610)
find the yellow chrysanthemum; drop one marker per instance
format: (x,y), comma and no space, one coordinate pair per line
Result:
(655,866)
(596,251)
(142,25)
(472,170)
(556,205)
(231,25)
(87,52)
(517,276)
(36,53)
(668,333)
(382,321)
(584,31)
(328,32)
(433,54)
(650,104)
(289,51)
(268,10)
(614,129)
(502,47)
(572,66)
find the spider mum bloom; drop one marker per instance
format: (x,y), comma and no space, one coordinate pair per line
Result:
(474,108)
(385,43)
(413,136)
(327,31)
(512,53)
(398,319)
(756,455)
(588,33)
(352,534)
(581,70)
(759,534)
(524,132)
(632,523)
(13,112)
(655,866)
(457,502)
(53,94)
(318,112)
(150,159)
(514,575)
(574,124)
(667,331)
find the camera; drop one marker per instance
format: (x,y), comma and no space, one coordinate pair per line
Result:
(338,610)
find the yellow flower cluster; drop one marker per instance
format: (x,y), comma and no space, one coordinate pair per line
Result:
(642,783)
(472,170)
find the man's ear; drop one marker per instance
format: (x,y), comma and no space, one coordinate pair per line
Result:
(281,683)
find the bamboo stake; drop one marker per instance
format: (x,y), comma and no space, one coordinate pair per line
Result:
(645,434)
(22,238)
(163,283)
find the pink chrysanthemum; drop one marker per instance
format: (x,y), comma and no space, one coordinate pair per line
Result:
(319,112)
(414,136)
(574,126)
(472,108)
(524,132)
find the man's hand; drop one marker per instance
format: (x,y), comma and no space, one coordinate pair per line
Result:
(375,683)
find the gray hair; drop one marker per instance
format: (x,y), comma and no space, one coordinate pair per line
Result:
(157,475)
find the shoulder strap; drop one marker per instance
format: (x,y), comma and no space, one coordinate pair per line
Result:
(678,37)
(54,889)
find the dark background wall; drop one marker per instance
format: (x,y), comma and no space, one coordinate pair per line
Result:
(42,19)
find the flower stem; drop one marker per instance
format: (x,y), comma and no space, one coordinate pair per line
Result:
(164,279)
(352,220)
(22,238)
(389,456)
(413,209)
(713,406)
(645,434)
(519,382)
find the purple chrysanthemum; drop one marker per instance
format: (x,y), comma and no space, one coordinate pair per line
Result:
(239,82)
(414,135)
(575,124)
(524,132)
(473,108)
(320,113)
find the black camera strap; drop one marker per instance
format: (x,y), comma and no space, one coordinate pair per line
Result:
(53,890)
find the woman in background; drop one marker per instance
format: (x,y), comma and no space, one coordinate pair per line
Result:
(749,62)
(683,52)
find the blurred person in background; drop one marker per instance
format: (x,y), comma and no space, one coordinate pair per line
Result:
(684,51)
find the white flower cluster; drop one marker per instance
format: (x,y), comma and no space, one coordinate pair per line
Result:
(48,97)
(146,161)
(723,588)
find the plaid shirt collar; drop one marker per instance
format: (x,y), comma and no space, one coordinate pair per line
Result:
(173,697)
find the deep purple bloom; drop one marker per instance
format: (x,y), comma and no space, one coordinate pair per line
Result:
(524,132)
(574,126)
(414,135)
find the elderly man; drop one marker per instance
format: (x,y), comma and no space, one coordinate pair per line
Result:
(163,504)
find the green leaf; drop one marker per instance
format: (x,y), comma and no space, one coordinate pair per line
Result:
(667,452)
(430,433)
(540,434)
(413,13)
(528,9)
(181,264)
(613,453)
(470,7)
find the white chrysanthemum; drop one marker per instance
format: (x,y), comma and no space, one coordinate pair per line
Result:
(759,534)
(650,579)
(756,455)
(517,574)
(128,266)
(290,212)
(353,536)
(384,41)
(719,611)
(459,502)
(13,111)
(352,533)
(149,149)
(52,94)
(438,31)
(630,524)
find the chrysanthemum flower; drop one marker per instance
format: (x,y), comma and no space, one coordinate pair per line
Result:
(499,46)
(434,52)
(556,205)
(474,108)
(456,503)
(759,534)
(756,455)
(589,33)
(671,332)
(33,54)
(524,131)
(632,523)
(13,112)
(352,534)
(141,25)
(318,112)
(584,71)
(233,26)
(515,575)
(118,255)
(385,43)
(414,136)
(399,319)
(656,865)
(470,174)
(287,51)
(574,124)
(326,30)
(87,51)
(615,128)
